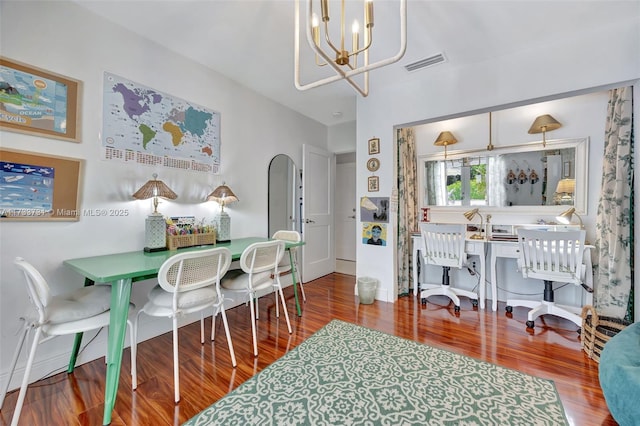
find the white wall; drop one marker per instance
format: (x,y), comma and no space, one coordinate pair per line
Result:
(68,40)
(342,137)
(598,57)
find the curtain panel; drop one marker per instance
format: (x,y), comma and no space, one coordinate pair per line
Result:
(407,206)
(614,222)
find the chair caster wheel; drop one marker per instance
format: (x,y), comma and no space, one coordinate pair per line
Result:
(474,302)
(456,308)
(530,324)
(423,301)
(509,309)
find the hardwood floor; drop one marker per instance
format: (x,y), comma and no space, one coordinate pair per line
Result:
(552,352)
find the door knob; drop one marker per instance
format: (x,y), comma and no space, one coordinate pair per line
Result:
(309,221)
(352,217)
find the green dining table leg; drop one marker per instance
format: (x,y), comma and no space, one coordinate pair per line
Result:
(295,286)
(78,340)
(120,296)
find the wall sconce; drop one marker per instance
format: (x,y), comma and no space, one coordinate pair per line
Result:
(543,124)
(470,215)
(445,139)
(566,216)
(223,195)
(155,232)
(565,190)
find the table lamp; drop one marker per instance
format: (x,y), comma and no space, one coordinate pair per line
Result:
(566,216)
(223,195)
(155,229)
(565,190)
(470,215)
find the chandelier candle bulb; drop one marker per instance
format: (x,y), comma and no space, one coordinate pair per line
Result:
(368,13)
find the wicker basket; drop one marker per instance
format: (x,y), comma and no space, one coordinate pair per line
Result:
(189,240)
(597,330)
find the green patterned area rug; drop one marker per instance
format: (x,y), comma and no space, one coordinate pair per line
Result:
(350,375)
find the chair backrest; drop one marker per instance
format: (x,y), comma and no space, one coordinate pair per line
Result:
(261,257)
(195,269)
(553,256)
(444,244)
(37,286)
(285,235)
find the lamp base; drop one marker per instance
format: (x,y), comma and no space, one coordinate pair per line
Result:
(223,227)
(154,249)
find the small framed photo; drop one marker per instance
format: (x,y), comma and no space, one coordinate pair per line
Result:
(374,146)
(567,169)
(373,184)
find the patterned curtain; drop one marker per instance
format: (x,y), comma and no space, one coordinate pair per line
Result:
(614,226)
(407,206)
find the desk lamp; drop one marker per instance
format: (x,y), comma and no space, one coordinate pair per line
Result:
(566,216)
(470,215)
(155,233)
(223,195)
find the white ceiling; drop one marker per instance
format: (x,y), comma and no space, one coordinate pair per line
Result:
(252,41)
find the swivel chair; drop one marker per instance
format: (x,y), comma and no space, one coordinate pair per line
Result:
(444,246)
(551,257)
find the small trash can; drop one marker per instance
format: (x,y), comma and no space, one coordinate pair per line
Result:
(367,290)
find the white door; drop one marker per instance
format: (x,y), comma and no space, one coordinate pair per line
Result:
(346,211)
(318,173)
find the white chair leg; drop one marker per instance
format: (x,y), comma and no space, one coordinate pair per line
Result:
(25,379)
(284,308)
(176,364)
(202,327)
(253,327)
(229,342)
(213,323)
(14,361)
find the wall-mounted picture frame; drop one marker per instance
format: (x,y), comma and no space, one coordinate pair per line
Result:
(39,187)
(373,164)
(38,102)
(566,169)
(374,146)
(373,184)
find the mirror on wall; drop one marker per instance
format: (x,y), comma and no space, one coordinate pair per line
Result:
(283,186)
(527,175)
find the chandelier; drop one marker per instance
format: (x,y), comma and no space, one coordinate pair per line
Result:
(334,52)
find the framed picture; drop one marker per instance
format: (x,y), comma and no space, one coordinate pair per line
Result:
(374,146)
(39,186)
(373,164)
(38,102)
(373,184)
(566,169)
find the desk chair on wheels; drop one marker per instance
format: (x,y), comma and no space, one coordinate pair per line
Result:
(551,257)
(84,309)
(444,246)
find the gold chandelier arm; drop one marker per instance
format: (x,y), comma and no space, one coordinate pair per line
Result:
(327,39)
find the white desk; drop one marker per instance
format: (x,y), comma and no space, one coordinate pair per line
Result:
(472,247)
(498,249)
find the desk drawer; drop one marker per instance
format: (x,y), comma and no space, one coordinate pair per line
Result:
(505,250)
(473,247)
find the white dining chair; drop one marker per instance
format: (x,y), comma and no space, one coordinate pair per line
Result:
(291,260)
(259,263)
(187,282)
(81,310)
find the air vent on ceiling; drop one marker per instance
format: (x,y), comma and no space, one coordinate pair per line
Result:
(426,62)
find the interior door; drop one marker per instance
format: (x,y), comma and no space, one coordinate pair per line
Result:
(346,211)
(318,174)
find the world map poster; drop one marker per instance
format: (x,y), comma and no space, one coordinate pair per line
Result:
(144,126)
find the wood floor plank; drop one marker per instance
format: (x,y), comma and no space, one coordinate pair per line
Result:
(553,352)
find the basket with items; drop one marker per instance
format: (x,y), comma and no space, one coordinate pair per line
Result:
(597,330)
(184,232)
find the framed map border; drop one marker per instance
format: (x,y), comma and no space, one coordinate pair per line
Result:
(72,133)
